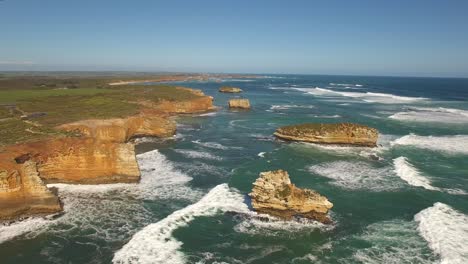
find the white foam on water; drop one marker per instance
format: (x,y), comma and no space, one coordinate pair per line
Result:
(261,154)
(364,96)
(155,244)
(209,114)
(194,154)
(433,115)
(357,175)
(411,175)
(262,224)
(448,144)
(346,84)
(392,242)
(111,211)
(288,106)
(446,231)
(327,116)
(214,145)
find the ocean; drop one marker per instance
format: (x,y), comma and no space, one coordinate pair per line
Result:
(405,201)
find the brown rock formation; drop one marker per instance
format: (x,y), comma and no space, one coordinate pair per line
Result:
(274,194)
(122,130)
(341,133)
(78,160)
(239,103)
(228,89)
(22,192)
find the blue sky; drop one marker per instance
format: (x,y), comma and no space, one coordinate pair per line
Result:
(371,37)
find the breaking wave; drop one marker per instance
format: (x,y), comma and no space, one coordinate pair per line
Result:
(194,154)
(287,106)
(433,115)
(366,96)
(448,144)
(357,175)
(446,231)
(411,175)
(155,243)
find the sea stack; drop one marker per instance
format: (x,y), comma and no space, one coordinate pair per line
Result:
(339,133)
(274,194)
(239,103)
(229,89)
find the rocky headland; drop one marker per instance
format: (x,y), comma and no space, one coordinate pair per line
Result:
(229,89)
(339,133)
(274,194)
(88,151)
(239,103)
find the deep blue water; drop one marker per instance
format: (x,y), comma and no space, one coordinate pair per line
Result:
(410,206)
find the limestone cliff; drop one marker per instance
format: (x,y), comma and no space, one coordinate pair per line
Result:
(340,133)
(239,103)
(22,192)
(122,130)
(274,194)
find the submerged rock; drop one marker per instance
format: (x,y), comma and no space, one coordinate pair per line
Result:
(274,194)
(340,133)
(229,89)
(239,103)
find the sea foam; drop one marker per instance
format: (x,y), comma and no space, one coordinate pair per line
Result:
(410,174)
(370,97)
(447,144)
(433,115)
(446,231)
(155,244)
(357,175)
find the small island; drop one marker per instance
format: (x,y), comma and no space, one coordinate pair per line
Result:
(239,103)
(230,89)
(274,194)
(338,133)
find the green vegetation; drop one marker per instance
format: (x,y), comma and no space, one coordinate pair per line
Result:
(47,105)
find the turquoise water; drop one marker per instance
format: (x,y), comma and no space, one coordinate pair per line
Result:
(409,206)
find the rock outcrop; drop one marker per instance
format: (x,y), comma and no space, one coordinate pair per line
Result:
(229,89)
(23,193)
(239,103)
(274,194)
(122,130)
(341,133)
(78,160)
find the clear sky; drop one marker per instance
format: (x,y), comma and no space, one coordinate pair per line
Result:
(364,37)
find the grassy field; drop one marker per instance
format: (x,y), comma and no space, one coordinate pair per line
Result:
(55,106)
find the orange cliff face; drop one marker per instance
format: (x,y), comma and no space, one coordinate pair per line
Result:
(101,155)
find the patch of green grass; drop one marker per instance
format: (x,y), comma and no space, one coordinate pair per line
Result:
(13,96)
(4,113)
(16,131)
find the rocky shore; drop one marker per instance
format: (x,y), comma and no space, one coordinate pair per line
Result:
(339,133)
(101,153)
(274,194)
(229,89)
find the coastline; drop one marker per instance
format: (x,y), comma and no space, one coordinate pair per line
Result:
(88,151)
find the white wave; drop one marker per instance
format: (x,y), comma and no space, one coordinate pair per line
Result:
(287,106)
(346,84)
(410,174)
(111,211)
(433,115)
(214,145)
(11,230)
(448,144)
(261,154)
(392,242)
(365,96)
(357,175)
(446,231)
(209,114)
(327,116)
(155,244)
(266,225)
(193,154)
